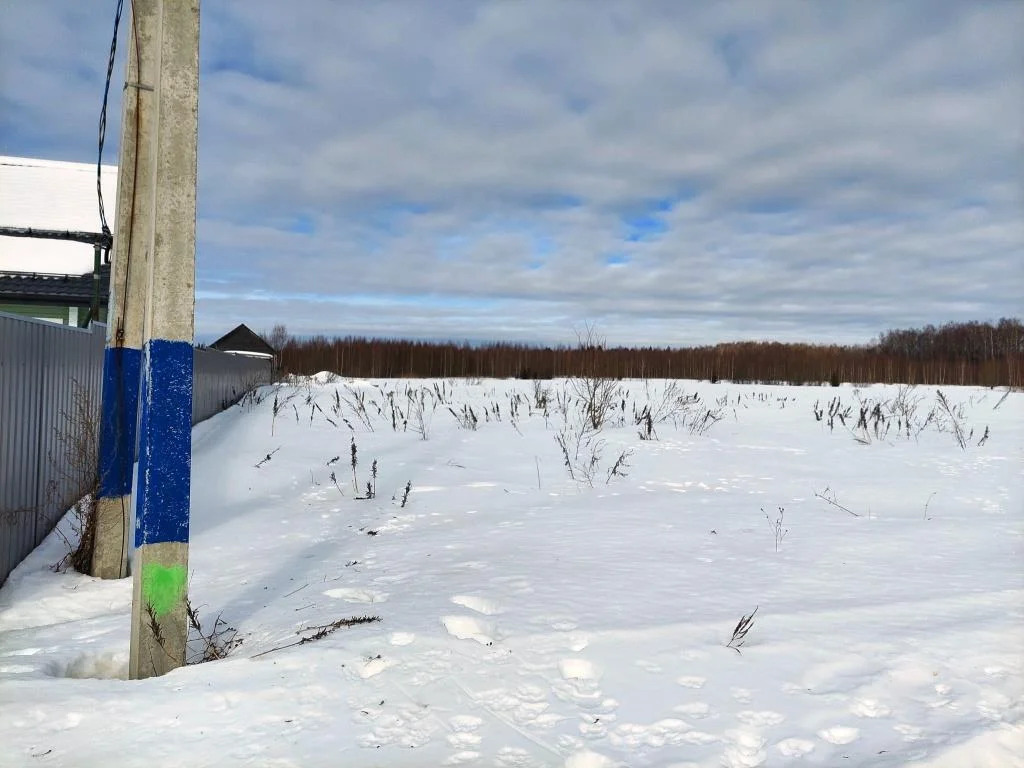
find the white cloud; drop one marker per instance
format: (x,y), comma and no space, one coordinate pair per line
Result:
(464,170)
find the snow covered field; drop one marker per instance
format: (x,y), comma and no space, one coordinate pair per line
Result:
(533,619)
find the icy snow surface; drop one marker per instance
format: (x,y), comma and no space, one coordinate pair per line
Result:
(529,619)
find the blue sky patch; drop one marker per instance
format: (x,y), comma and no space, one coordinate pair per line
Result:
(735,51)
(643,228)
(302,225)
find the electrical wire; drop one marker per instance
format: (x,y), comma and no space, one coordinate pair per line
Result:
(122,310)
(103,118)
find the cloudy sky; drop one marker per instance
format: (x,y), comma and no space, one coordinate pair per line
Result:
(677,172)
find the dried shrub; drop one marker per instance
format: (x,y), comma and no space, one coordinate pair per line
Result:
(76,465)
(739,634)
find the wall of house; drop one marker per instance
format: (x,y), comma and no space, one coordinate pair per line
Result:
(55,314)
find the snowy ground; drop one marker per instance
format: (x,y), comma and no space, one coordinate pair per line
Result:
(529,619)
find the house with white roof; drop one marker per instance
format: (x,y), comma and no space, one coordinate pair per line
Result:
(52,279)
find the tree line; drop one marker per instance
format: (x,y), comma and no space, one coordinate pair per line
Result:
(974,353)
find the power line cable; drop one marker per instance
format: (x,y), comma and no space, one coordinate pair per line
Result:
(119,334)
(103,117)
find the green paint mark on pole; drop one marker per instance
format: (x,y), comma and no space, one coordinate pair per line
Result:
(163,587)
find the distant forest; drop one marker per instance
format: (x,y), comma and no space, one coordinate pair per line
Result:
(982,354)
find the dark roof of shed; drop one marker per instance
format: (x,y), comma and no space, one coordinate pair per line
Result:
(53,289)
(242,339)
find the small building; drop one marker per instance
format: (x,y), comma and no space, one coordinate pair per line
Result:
(53,279)
(49,194)
(64,299)
(244,341)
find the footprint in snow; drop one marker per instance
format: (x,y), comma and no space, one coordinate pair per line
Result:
(688,681)
(478,604)
(668,731)
(497,699)
(576,643)
(745,751)
(578,669)
(531,693)
(374,667)
(742,695)
(352,595)
(696,710)
(460,740)
(580,685)
(910,732)
(463,757)
(794,747)
(514,757)
(587,759)
(465,723)
(528,712)
(468,628)
(996,671)
(592,727)
(761,719)
(407,729)
(839,735)
(869,708)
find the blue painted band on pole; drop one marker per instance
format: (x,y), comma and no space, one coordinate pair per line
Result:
(165,447)
(120,408)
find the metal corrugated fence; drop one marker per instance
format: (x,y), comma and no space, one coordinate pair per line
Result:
(50,387)
(220,378)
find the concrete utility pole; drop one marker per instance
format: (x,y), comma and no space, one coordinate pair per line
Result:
(129,285)
(160,568)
